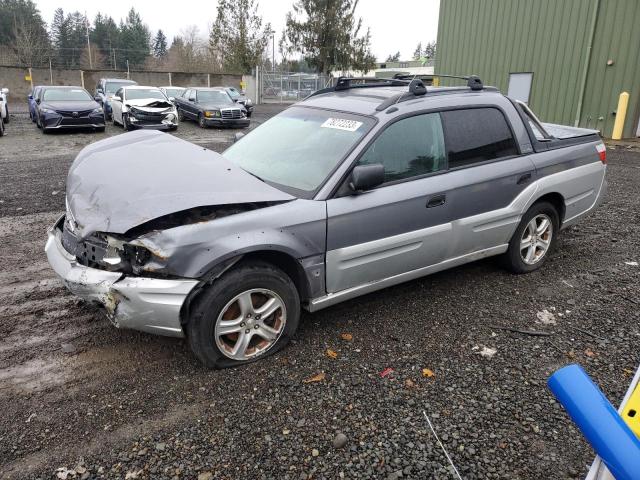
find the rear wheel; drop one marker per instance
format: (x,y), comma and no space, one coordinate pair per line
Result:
(534,239)
(251,311)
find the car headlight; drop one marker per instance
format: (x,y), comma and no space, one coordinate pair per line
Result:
(47,110)
(212,113)
(171,117)
(98,110)
(249,102)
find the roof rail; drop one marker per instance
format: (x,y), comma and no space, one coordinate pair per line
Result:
(346,83)
(473,81)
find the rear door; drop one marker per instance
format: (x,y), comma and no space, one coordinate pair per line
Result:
(487,175)
(400,226)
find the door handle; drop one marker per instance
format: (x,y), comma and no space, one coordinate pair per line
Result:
(524,178)
(436,201)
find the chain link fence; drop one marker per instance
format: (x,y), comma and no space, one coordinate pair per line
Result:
(289,87)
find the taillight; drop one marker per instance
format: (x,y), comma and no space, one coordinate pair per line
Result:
(602,152)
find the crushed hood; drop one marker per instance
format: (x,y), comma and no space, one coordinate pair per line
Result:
(124,181)
(150,104)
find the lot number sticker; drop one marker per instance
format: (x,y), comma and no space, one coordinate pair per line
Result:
(342,124)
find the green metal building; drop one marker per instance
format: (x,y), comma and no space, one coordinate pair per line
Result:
(569,59)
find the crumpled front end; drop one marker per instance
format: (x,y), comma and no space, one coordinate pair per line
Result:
(141,303)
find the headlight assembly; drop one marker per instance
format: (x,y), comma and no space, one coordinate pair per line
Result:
(98,110)
(212,113)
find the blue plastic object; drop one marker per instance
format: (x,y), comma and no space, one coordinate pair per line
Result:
(599,422)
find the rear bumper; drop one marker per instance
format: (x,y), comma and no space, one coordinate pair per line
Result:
(139,303)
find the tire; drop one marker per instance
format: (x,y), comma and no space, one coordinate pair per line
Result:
(100,129)
(201,121)
(1,127)
(125,123)
(249,114)
(524,256)
(260,281)
(180,115)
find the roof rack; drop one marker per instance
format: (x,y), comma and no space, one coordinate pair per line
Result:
(346,83)
(473,81)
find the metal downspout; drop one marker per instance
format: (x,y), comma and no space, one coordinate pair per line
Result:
(587,61)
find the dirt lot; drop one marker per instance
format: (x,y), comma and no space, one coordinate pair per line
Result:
(77,394)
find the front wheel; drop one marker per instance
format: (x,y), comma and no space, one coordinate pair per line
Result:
(201,121)
(125,122)
(250,312)
(180,115)
(534,238)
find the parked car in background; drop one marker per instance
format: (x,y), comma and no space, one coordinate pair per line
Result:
(173,92)
(348,192)
(143,107)
(31,99)
(211,107)
(241,98)
(106,89)
(5,101)
(68,107)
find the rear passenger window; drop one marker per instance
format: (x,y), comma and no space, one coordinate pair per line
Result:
(410,147)
(476,135)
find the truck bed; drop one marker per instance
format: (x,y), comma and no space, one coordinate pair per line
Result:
(563,132)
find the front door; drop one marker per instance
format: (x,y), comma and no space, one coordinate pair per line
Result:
(400,226)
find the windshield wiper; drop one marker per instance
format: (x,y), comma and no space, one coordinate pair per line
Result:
(254,175)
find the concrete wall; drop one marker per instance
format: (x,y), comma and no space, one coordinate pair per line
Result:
(13,78)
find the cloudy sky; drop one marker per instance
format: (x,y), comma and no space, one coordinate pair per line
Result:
(395,26)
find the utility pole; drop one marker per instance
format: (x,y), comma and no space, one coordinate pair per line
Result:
(273,49)
(86,24)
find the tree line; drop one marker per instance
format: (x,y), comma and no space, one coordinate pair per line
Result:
(320,35)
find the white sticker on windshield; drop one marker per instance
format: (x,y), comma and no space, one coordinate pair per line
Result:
(342,124)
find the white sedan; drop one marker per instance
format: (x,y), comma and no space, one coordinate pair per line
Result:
(143,107)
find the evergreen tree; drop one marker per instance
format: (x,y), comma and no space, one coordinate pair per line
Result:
(159,47)
(328,35)
(394,58)
(237,37)
(417,54)
(135,38)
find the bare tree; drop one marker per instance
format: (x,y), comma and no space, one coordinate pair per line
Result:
(29,47)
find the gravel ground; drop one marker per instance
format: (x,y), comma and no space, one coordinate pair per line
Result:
(95,402)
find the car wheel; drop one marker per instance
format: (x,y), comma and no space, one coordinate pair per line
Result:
(180,115)
(248,313)
(201,121)
(534,239)
(125,122)
(1,127)
(100,129)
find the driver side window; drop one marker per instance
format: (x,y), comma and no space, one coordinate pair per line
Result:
(410,147)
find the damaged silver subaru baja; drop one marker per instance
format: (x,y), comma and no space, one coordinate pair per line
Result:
(350,191)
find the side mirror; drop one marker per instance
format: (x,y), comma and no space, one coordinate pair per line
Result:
(99,90)
(237,136)
(38,101)
(116,98)
(5,91)
(366,177)
(192,99)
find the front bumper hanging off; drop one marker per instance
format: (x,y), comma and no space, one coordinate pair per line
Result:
(139,303)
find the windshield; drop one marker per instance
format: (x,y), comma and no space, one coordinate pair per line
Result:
(174,92)
(213,96)
(300,147)
(66,94)
(112,87)
(140,93)
(233,93)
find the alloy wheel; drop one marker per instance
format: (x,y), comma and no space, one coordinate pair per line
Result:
(250,324)
(536,239)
